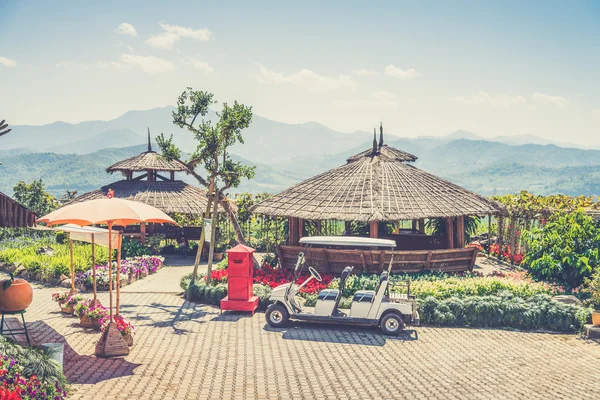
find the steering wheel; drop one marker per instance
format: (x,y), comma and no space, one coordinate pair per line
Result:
(315,274)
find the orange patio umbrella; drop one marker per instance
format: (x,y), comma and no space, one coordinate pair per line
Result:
(108,211)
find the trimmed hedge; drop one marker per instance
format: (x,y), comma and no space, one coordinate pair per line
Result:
(504,310)
(199,292)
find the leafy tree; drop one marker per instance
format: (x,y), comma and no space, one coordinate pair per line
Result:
(68,196)
(566,250)
(35,197)
(211,154)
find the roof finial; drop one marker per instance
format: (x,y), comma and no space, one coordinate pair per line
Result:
(380,134)
(149,145)
(374,141)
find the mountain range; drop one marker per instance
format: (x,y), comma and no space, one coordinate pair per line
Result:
(75,156)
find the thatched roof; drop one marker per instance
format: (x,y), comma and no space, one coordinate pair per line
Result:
(149,160)
(168,196)
(376,186)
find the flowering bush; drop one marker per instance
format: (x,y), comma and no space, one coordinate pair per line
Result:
(16,385)
(73,300)
(60,296)
(97,312)
(82,307)
(218,276)
(507,253)
(272,276)
(137,267)
(126,328)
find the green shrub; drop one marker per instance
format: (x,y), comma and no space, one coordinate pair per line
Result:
(61,237)
(134,248)
(566,250)
(504,310)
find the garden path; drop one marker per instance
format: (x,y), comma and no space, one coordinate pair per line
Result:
(167,279)
(188,351)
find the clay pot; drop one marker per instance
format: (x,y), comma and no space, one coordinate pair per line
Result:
(17,297)
(217,256)
(596,318)
(96,325)
(85,321)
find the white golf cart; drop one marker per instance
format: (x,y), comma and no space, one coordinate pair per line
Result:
(369,307)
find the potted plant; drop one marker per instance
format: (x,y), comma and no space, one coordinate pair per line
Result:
(126,328)
(97,314)
(81,310)
(68,307)
(60,298)
(15,294)
(591,286)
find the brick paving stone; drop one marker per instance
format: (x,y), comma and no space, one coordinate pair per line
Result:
(188,351)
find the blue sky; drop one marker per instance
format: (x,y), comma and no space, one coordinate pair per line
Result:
(424,69)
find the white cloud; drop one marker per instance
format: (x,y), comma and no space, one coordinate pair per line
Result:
(385,96)
(494,100)
(364,72)
(126,29)
(71,65)
(200,65)
(112,65)
(558,101)
(8,62)
(395,72)
(174,33)
(307,79)
(506,100)
(151,65)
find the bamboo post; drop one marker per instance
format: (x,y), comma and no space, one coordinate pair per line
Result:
(460,231)
(421,225)
(94,268)
(143,232)
(118,273)
(73,291)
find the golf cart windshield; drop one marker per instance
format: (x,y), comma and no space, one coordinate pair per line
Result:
(351,241)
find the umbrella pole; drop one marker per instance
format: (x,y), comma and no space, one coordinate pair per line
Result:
(110,278)
(118,273)
(94,267)
(73,291)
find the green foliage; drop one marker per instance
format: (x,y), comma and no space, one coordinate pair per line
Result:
(566,250)
(34,362)
(437,226)
(504,310)
(50,265)
(35,197)
(61,237)
(591,287)
(134,248)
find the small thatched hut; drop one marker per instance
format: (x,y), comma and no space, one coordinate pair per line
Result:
(152,188)
(380,185)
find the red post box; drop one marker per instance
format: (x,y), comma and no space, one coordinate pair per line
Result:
(240,266)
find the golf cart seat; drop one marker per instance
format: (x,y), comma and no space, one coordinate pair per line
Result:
(345,274)
(369,295)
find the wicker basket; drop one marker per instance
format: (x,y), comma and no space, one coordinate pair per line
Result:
(95,324)
(128,339)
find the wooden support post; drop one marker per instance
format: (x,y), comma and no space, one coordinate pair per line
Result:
(414,225)
(118,304)
(300,228)
(72,266)
(374,229)
(143,232)
(172,176)
(450,233)
(347,227)
(293,231)
(421,224)
(489,234)
(460,231)
(500,235)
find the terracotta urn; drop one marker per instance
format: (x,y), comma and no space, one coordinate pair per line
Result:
(17,296)
(596,318)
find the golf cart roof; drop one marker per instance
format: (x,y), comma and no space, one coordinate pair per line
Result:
(347,241)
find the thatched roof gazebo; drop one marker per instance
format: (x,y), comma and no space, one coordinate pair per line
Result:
(151,187)
(376,185)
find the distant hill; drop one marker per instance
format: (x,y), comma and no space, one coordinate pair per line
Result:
(75,156)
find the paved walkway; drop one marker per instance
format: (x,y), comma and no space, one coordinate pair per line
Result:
(168,278)
(188,351)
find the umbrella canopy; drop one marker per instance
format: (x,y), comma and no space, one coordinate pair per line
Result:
(108,211)
(85,234)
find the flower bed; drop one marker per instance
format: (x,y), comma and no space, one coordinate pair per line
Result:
(132,269)
(27,373)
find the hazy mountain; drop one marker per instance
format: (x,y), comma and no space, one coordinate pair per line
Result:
(75,156)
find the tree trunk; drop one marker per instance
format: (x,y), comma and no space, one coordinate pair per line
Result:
(201,243)
(213,234)
(239,235)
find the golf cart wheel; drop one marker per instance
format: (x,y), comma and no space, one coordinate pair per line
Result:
(391,324)
(277,316)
